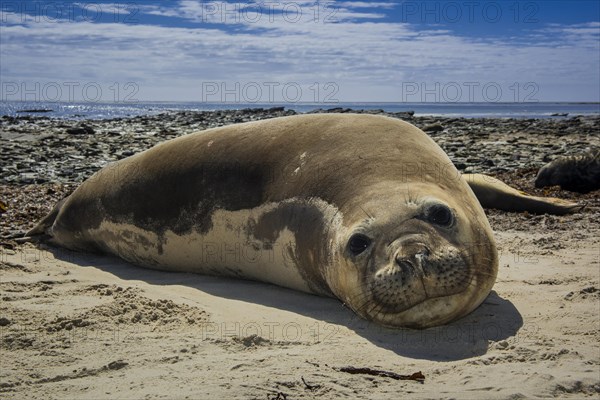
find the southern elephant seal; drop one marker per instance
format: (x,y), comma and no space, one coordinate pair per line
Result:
(361,207)
(579,173)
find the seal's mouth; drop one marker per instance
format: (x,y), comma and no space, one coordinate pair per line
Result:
(410,280)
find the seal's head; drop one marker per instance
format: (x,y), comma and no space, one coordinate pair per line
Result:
(547,176)
(415,256)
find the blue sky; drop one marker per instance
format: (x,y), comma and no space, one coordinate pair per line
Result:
(289,51)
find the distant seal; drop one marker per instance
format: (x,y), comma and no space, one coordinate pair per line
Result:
(579,173)
(361,207)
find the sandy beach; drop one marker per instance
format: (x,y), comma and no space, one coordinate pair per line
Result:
(77,325)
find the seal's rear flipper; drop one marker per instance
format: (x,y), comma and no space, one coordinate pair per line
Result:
(493,193)
(43,227)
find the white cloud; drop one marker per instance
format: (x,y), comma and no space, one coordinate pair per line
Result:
(367,59)
(367,4)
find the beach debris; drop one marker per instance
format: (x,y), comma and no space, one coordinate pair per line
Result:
(309,387)
(116,365)
(584,293)
(417,376)
(278,396)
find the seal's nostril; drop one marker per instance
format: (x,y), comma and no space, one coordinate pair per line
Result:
(405,266)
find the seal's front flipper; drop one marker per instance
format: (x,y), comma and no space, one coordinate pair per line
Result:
(43,227)
(493,193)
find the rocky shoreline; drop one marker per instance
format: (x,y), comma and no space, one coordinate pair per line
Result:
(44,158)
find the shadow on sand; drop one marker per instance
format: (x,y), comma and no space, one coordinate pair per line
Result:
(496,319)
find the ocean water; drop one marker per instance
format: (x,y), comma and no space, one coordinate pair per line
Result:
(89,110)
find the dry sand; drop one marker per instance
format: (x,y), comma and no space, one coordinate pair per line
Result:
(87,326)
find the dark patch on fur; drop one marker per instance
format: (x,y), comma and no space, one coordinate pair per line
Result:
(308,224)
(179,201)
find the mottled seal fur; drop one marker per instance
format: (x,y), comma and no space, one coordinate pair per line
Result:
(576,173)
(361,207)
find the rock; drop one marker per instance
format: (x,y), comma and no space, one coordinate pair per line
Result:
(76,131)
(405,114)
(81,130)
(126,153)
(117,364)
(4,321)
(433,128)
(501,345)
(27,178)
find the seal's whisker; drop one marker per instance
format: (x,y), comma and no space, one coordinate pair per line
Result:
(363,299)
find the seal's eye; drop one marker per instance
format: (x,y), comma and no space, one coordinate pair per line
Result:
(358,243)
(440,214)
